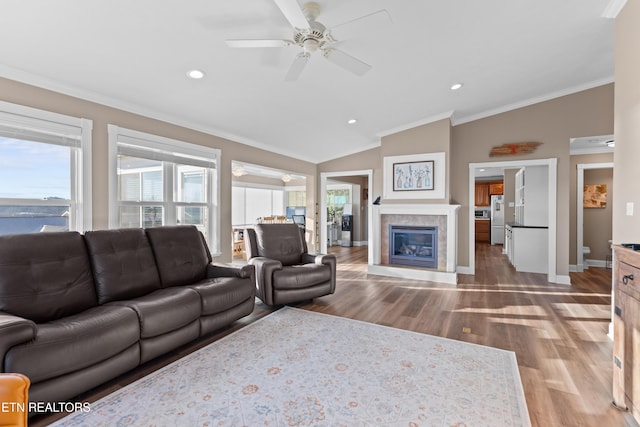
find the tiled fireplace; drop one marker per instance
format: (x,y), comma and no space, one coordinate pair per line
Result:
(436,258)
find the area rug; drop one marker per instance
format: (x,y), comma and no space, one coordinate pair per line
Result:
(300,368)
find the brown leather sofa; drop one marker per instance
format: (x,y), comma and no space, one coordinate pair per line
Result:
(77,310)
(285,271)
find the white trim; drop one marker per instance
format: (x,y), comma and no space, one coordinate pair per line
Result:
(152,141)
(461,269)
(450,211)
(581,167)
(613,8)
(439,177)
(422,122)
(531,101)
(595,262)
(552,164)
(413,274)
(563,280)
(322,221)
(81,201)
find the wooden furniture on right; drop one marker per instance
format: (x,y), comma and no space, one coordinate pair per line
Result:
(626,323)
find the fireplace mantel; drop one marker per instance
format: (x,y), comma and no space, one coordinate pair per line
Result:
(446,275)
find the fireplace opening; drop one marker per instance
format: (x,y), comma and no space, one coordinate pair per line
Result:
(413,245)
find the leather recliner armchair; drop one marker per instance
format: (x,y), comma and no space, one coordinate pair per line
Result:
(285,271)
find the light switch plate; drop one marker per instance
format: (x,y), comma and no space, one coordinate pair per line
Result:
(629,208)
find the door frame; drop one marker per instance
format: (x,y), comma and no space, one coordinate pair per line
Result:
(552,165)
(581,167)
(324,176)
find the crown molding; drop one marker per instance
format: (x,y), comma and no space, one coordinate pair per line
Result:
(421,122)
(531,101)
(613,8)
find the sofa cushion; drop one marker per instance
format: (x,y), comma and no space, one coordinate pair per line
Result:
(123,264)
(221,294)
(45,276)
(181,254)
(301,276)
(164,310)
(75,342)
(282,242)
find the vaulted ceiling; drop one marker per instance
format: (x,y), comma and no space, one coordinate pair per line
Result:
(135,55)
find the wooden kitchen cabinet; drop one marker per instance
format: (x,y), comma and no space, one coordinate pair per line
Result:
(626,323)
(483,198)
(496,188)
(483,230)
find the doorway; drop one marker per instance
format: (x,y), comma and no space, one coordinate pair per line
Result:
(325,177)
(552,165)
(580,254)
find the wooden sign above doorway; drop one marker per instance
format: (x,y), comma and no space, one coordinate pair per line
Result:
(514,149)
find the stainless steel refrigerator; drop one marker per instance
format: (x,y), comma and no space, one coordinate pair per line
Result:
(497,220)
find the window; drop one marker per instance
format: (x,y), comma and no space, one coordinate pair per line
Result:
(248,203)
(158,181)
(337,197)
(45,171)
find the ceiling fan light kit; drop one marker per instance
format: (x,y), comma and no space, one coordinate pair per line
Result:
(313,36)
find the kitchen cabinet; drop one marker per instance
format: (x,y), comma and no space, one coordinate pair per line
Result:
(484,191)
(496,188)
(483,230)
(532,196)
(482,194)
(626,323)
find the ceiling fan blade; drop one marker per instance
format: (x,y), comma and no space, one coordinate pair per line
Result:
(297,66)
(292,11)
(361,26)
(347,61)
(258,43)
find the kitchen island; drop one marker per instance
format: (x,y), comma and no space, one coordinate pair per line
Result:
(526,247)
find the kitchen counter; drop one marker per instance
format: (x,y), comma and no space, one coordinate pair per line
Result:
(516,225)
(481,218)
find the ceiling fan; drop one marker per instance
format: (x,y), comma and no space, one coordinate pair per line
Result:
(313,36)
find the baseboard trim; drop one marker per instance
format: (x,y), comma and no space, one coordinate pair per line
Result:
(414,274)
(463,269)
(563,280)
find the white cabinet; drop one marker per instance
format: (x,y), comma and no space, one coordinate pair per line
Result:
(532,200)
(529,249)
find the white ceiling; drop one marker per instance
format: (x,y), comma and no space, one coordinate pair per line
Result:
(135,54)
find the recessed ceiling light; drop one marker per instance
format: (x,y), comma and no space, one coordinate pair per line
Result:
(195,74)
(456,86)
(351,121)
(482,170)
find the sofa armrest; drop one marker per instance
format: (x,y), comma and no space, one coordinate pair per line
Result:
(220,270)
(265,268)
(14,330)
(326,259)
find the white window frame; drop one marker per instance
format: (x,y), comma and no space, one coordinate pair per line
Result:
(119,135)
(246,185)
(80,203)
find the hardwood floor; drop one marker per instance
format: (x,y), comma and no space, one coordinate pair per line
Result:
(558,332)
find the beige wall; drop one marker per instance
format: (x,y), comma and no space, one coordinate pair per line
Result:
(573,200)
(626,172)
(597,221)
(553,123)
(18,93)
(430,138)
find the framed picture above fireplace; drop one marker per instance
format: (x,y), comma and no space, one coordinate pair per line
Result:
(416,176)
(413,176)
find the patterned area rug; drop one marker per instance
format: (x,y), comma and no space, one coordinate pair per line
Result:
(299,368)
